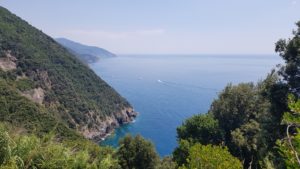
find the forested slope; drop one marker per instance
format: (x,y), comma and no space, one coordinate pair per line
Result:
(38,68)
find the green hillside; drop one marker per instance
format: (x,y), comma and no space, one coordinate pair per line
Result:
(58,87)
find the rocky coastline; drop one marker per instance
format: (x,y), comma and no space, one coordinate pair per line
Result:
(101,129)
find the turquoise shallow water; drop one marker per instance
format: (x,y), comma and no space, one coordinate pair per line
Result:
(167,89)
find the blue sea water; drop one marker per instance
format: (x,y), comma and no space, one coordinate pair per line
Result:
(167,89)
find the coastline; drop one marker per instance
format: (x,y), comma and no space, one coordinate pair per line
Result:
(105,128)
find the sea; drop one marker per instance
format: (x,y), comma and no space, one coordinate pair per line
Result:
(168,89)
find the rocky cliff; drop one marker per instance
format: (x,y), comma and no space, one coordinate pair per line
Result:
(102,128)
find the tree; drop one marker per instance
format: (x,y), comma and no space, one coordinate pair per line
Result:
(248,141)
(108,163)
(289,147)
(181,152)
(5,146)
(235,106)
(289,50)
(137,153)
(166,163)
(245,117)
(210,157)
(202,128)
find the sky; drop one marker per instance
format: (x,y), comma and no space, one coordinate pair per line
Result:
(165,26)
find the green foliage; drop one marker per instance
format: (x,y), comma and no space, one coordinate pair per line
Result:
(136,153)
(29,151)
(5,150)
(210,157)
(249,117)
(181,152)
(166,163)
(286,152)
(20,112)
(289,51)
(247,136)
(24,84)
(201,128)
(109,163)
(289,147)
(293,116)
(235,106)
(246,118)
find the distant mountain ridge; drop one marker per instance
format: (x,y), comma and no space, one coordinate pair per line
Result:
(87,54)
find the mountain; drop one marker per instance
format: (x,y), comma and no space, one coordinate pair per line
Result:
(87,54)
(44,87)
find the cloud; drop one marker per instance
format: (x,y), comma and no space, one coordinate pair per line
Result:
(116,34)
(294,2)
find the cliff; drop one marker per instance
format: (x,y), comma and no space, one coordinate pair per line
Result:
(101,129)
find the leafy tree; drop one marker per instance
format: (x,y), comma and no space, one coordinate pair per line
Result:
(109,162)
(247,140)
(181,152)
(238,110)
(276,92)
(289,51)
(235,106)
(136,153)
(166,163)
(289,147)
(201,128)
(210,157)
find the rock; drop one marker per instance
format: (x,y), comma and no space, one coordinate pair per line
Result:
(99,129)
(36,95)
(8,62)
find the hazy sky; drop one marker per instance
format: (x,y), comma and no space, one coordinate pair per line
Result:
(165,26)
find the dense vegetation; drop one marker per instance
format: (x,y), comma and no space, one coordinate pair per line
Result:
(289,146)
(210,157)
(28,116)
(73,93)
(248,126)
(241,119)
(258,123)
(137,153)
(29,151)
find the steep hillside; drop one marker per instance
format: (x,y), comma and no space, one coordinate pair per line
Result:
(87,54)
(39,74)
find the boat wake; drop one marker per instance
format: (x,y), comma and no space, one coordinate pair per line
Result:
(169,83)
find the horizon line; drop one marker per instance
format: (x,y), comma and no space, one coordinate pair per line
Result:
(233,54)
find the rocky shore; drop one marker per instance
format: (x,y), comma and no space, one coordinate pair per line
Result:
(100,129)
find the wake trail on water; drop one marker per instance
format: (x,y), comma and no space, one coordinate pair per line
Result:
(169,83)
